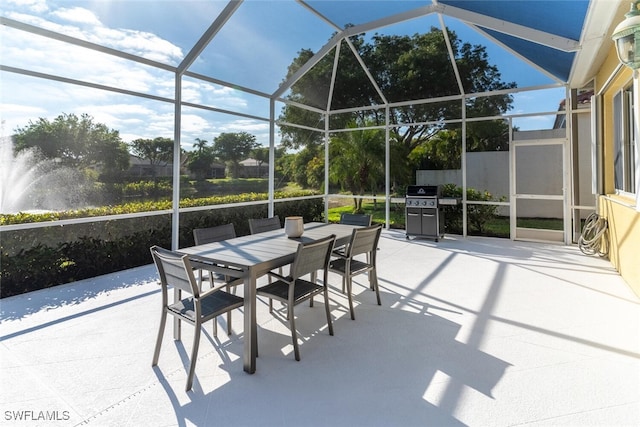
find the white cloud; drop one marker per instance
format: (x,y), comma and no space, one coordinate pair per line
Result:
(250,126)
(77,14)
(13,116)
(17,108)
(27,98)
(36,6)
(257,128)
(83,24)
(193,124)
(213,95)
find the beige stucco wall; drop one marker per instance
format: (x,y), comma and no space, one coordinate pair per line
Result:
(620,212)
(624,238)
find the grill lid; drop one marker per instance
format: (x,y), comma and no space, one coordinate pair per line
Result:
(423,190)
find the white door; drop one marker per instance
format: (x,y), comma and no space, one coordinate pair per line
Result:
(538,198)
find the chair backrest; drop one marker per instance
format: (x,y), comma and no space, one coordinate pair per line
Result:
(312,256)
(355,219)
(364,240)
(259,225)
(174,270)
(214,234)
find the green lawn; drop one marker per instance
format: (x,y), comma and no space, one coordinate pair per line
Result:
(495,227)
(378,212)
(544,223)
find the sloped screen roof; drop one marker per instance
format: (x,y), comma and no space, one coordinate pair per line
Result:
(245,48)
(560,18)
(556,62)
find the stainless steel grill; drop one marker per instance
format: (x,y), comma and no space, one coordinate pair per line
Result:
(423,216)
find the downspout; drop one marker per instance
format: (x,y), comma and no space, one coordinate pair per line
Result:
(567,169)
(597,151)
(577,185)
(636,119)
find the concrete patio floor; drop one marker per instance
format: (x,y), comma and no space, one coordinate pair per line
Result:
(477,331)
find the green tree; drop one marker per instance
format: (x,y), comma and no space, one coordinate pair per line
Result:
(158,151)
(301,173)
(200,159)
(357,162)
(404,68)
(200,145)
(76,142)
(478,215)
(315,173)
(489,135)
(442,151)
(233,148)
(261,155)
(283,166)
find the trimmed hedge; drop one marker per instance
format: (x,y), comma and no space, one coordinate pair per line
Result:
(40,258)
(21,218)
(478,216)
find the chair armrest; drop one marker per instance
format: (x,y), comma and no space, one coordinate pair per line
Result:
(213,290)
(235,282)
(279,276)
(339,254)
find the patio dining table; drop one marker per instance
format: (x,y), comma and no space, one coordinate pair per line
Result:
(252,256)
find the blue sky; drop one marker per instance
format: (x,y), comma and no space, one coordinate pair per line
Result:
(253,50)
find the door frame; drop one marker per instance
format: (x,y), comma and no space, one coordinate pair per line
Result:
(535,234)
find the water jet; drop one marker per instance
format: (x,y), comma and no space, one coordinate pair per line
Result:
(31,183)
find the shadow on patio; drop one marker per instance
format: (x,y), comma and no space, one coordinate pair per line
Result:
(470,332)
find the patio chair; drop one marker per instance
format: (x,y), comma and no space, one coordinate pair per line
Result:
(355,219)
(292,290)
(260,225)
(363,241)
(175,270)
(214,234)
(218,233)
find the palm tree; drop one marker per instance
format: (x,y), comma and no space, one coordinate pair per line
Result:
(200,160)
(357,162)
(200,145)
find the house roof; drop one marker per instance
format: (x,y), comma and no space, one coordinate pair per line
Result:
(254,162)
(137,160)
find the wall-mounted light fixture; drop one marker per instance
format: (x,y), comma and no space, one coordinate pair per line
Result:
(627,38)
